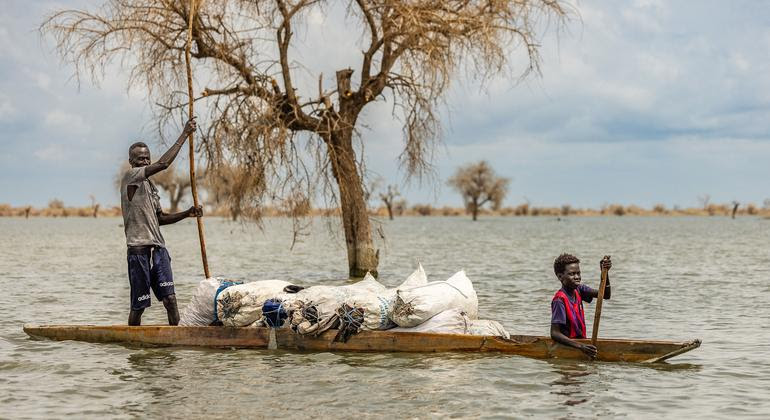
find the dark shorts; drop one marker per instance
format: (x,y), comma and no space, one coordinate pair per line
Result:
(149,268)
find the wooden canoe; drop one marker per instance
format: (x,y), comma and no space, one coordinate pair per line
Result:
(610,350)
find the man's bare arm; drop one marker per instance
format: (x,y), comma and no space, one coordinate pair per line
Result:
(168,158)
(167,219)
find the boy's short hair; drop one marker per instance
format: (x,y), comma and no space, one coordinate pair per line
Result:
(562,261)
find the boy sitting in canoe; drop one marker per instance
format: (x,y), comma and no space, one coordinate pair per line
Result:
(568,320)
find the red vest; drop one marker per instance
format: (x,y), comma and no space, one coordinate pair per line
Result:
(576,318)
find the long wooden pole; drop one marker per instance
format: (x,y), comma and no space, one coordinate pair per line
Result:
(190,140)
(600,299)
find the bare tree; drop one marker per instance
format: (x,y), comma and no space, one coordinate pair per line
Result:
(399,207)
(230,184)
(478,184)
(704,201)
(94,206)
(735,207)
(410,50)
(297,207)
(388,198)
(373,185)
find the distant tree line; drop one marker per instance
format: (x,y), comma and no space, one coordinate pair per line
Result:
(482,192)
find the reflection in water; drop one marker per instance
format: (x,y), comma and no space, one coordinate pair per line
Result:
(153,362)
(570,383)
(667,366)
(420,361)
(149,365)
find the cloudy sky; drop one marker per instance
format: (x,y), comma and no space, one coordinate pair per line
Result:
(639,102)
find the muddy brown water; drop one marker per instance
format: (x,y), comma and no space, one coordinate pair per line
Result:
(673,278)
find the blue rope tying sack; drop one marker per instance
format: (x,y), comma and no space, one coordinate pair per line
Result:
(351,320)
(274,313)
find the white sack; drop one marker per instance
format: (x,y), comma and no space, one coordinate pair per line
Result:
(241,305)
(326,299)
(378,307)
(329,298)
(417,278)
(200,310)
(368,285)
(455,321)
(418,304)
(487,327)
(452,321)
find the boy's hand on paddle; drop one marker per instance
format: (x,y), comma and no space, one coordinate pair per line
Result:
(606,262)
(589,350)
(190,126)
(195,211)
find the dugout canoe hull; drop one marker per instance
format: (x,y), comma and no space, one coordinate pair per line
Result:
(610,350)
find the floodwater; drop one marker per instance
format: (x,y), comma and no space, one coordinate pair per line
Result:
(673,278)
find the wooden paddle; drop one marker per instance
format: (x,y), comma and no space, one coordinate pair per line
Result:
(600,299)
(190,141)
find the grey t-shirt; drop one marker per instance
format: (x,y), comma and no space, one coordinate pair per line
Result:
(140,214)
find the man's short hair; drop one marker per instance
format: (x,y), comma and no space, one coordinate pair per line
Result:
(135,145)
(562,261)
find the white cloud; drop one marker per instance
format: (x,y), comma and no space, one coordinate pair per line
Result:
(646,15)
(58,152)
(316,17)
(720,153)
(71,123)
(43,80)
(53,153)
(657,88)
(740,62)
(7,110)
(626,95)
(661,66)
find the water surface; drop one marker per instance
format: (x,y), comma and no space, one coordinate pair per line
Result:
(673,278)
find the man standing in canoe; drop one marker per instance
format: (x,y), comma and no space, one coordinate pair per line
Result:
(149,265)
(568,320)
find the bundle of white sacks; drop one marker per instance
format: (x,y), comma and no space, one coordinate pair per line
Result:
(415,305)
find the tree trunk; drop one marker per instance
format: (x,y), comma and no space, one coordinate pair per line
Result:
(475,209)
(362,256)
(175,195)
(390,210)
